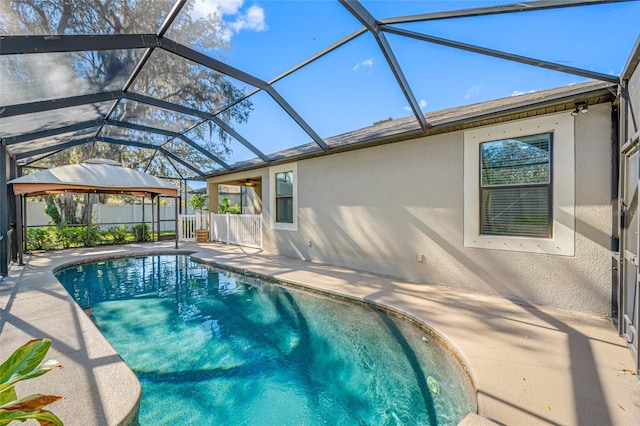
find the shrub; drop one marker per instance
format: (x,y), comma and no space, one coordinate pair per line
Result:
(226,207)
(76,236)
(138,234)
(67,236)
(118,234)
(40,238)
(95,236)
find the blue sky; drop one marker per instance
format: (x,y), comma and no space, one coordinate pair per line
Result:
(352,87)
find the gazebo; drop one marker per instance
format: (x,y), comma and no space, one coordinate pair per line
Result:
(94,176)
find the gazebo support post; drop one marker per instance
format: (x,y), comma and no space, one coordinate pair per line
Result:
(24,224)
(176,218)
(186,196)
(88,210)
(142,230)
(19,228)
(158,215)
(153,218)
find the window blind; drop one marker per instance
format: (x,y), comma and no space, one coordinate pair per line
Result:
(516,211)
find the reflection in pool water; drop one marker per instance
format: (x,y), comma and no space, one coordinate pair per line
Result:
(212,347)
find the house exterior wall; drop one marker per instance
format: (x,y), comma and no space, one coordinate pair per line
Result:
(378,209)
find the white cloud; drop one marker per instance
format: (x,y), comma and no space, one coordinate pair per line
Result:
(367,63)
(233,15)
(423,104)
(203,8)
(472,91)
(252,20)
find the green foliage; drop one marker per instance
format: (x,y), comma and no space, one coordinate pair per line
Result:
(52,211)
(198,87)
(25,364)
(94,234)
(76,236)
(41,238)
(66,236)
(118,234)
(226,207)
(138,232)
(199,202)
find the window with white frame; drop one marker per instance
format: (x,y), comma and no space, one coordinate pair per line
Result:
(515,186)
(519,186)
(284,197)
(284,189)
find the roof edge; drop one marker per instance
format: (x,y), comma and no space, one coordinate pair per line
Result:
(599,91)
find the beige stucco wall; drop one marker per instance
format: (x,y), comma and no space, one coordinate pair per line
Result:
(375,209)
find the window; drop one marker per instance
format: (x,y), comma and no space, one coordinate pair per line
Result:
(284,196)
(515,186)
(519,190)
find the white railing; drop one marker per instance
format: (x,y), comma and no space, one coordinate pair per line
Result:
(240,229)
(187,225)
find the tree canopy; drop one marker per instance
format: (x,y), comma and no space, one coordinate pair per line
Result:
(165,76)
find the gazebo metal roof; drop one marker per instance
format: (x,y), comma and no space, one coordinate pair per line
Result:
(135,74)
(92,178)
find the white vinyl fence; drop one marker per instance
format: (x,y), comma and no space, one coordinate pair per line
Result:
(187,226)
(106,215)
(240,229)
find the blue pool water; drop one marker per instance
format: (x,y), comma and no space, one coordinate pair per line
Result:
(212,347)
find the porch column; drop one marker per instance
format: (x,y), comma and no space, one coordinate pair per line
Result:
(212,190)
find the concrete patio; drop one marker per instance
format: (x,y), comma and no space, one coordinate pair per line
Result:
(531,365)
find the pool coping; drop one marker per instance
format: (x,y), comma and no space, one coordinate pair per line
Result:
(531,365)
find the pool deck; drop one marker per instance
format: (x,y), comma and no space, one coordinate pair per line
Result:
(531,365)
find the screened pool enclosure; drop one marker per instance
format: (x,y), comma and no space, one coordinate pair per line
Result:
(190,90)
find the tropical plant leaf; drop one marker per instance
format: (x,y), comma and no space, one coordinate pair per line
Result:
(47,418)
(40,370)
(8,395)
(44,417)
(23,363)
(24,359)
(30,403)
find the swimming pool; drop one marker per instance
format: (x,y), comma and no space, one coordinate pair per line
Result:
(213,347)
